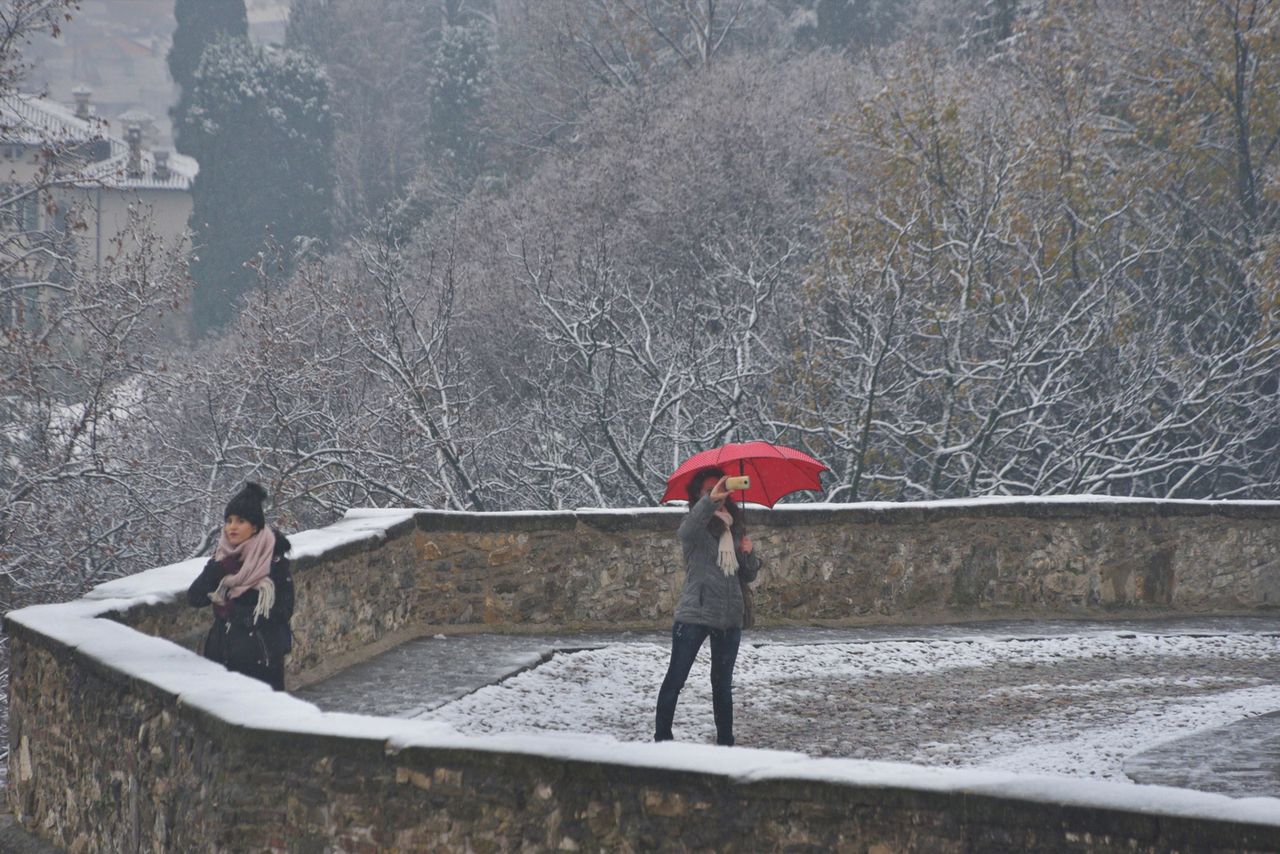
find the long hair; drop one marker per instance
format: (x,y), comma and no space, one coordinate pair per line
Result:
(716,527)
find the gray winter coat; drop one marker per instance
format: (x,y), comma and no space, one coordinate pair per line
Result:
(710,598)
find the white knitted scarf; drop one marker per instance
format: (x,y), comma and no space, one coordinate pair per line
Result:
(725,555)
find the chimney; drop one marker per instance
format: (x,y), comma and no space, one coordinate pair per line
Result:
(162,164)
(133,136)
(82,94)
(142,119)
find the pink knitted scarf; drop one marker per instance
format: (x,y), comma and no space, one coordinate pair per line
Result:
(255,561)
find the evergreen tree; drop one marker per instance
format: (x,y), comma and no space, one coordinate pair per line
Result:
(259,123)
(200,24)
(459,69)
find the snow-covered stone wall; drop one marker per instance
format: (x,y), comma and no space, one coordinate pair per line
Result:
(355,581)
(124,740)
(932,560)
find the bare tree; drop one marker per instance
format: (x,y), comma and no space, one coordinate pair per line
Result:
(1001,312)
(21,21)
(642,280)
(344,386)
(74,361)
(74,342)
(557,58)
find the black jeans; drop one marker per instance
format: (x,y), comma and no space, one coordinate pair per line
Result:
(686,640)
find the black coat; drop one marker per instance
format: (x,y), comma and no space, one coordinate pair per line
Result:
(237,642)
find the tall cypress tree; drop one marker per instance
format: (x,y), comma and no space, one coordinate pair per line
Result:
(259,123)
(459,71)
(200,24)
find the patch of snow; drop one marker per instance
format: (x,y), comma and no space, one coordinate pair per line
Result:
(162,584)
(1079,729)
(395,514)
(1161,800)
(990,500)
(357,526)
(678,505)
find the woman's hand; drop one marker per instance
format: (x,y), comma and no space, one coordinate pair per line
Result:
(746,545)
(720,492)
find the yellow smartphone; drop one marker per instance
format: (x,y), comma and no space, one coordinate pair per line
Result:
(736,484)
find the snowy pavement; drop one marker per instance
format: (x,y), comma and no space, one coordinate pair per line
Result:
(1068,698)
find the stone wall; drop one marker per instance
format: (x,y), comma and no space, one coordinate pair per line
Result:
(353,596)
(947,560)
(348,597)
(121,741)
(129,767)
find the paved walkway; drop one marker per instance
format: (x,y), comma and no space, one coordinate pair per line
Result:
(946,718)
(1240,759)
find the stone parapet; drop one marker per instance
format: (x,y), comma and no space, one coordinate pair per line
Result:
(949,560)
(123,740)
(132,765)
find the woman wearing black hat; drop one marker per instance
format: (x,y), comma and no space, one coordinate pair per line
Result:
(248,583)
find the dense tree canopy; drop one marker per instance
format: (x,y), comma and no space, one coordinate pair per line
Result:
(951,249)
(259,124)
(200,23)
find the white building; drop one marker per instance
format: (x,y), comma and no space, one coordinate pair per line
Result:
(90,170)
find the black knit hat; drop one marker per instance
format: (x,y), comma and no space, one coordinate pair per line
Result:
(247,504)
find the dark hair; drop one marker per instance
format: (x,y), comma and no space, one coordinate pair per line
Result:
(716,526)
(247,504)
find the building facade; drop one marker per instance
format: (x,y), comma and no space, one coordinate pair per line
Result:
(65,171)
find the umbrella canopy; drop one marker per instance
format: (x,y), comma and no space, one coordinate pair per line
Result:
(775,471)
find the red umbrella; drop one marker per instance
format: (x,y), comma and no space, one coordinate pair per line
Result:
(775,471)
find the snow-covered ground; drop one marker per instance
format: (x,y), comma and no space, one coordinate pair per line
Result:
(1074,705)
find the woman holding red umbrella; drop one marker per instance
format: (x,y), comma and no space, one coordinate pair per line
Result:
(719,557)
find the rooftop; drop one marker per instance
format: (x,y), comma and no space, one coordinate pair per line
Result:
(113,171)
(34,121)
